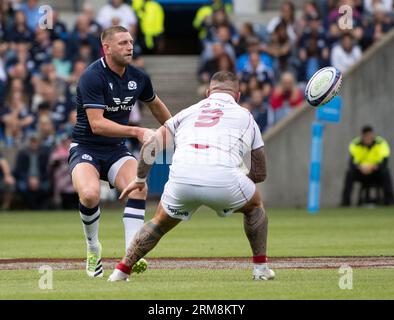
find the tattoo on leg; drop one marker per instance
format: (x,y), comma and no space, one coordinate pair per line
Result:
(256,229)
(144,241)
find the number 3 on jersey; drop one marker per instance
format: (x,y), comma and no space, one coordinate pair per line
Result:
(208,118)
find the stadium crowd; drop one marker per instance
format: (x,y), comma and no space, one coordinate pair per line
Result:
(274,61)
(40,69)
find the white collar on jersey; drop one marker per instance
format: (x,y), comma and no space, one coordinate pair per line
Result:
(222,96)
(103,62)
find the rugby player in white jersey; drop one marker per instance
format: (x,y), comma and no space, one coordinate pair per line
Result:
(212,139)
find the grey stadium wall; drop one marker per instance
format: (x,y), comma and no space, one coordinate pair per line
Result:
(368,98)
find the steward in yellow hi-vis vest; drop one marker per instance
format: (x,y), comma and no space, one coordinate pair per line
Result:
(151,18)
(202,17)
(369,155)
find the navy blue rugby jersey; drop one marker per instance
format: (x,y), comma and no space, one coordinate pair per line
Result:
(101,88)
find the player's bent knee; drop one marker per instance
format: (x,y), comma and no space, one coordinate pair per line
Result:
(89,197)
(253,203)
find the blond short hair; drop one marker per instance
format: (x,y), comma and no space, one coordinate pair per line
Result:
(108,33)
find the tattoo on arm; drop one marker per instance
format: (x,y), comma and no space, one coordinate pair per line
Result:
(258,170)
(144,241)
(148,156)
(151,149)
(143,164)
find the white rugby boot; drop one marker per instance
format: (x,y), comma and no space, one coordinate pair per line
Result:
(263,274)
(118,275)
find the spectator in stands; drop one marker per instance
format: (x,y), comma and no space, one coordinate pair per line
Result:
(285,96)
(59,110)
(381,23)
(16,118)
(310,9)
(64,195)
(245,32)
(119,10)
(208,66)
(224,38)
(7,184)
(225,63)
(83,36)
(20,55)
(369,156)
(48,77)
(43,109)
(346,53)
(46,131)
(31,10)
(6,13)
(259,109)
(258,70)
(287,18)
(61,63)
(31,173)
(253,44)
(314,52)
(88,11)
(16,86)
(280,48)
(19,31)
(42,46)
(203,18)
(59,30)
(220,62)
(220,22)
(85,53)
(79,67)
(246,88)
(18,65)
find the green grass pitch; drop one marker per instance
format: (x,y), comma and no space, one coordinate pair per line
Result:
(292,233)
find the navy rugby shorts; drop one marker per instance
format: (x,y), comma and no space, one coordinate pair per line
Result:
(106,159)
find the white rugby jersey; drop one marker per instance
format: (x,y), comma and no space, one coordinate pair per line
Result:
(212,137)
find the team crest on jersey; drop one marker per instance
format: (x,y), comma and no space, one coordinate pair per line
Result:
(132,85)
(87,157)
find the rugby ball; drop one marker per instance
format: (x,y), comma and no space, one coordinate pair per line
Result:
(323,86)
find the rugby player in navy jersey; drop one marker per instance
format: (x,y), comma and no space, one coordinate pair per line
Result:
(106,93)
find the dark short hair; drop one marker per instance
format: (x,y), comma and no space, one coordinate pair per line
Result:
(224,80)
(109,32)
(367,128)
(224,76)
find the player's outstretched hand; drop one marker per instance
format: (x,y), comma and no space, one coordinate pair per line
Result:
(130,188)
(145,134)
